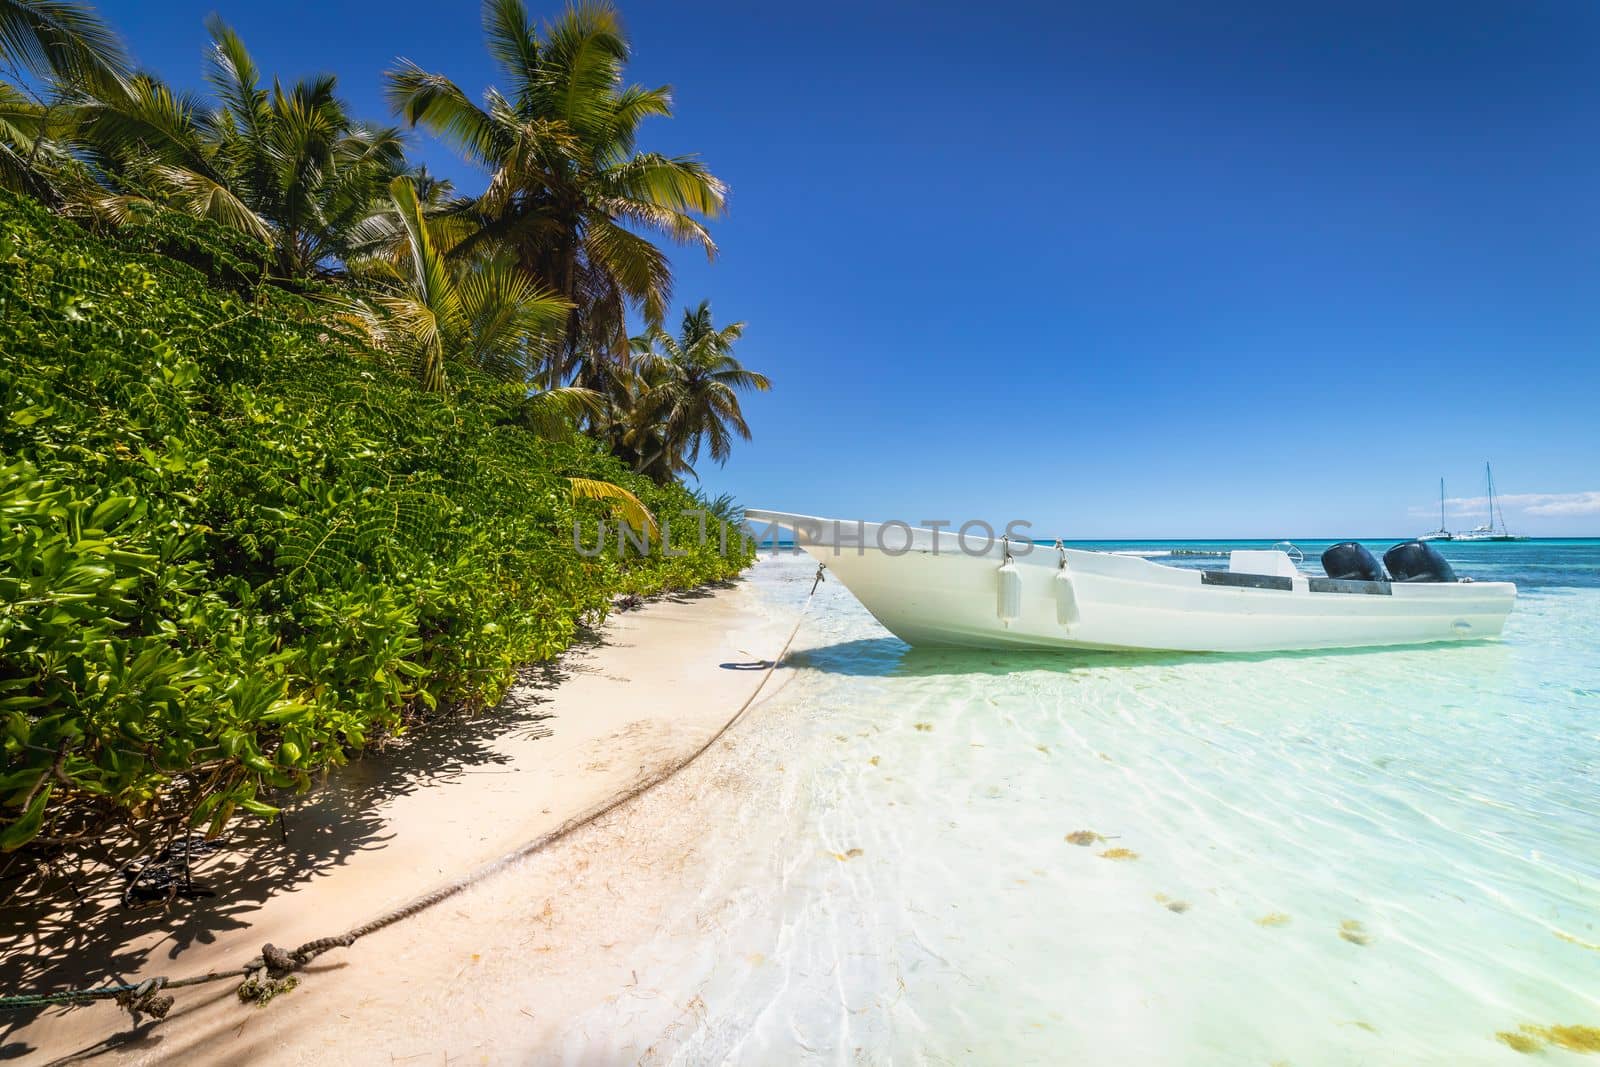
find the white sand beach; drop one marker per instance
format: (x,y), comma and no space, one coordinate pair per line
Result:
(653,688)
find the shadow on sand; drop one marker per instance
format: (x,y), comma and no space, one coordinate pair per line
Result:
(73,931)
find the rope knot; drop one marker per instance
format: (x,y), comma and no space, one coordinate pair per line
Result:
(147,997)
(270,974)
(278,962)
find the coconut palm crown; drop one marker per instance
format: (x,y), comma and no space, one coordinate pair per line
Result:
(569,195)
(688,395)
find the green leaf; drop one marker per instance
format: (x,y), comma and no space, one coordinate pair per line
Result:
(23,829)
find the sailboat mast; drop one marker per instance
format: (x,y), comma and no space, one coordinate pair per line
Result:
(1441,505)
(1488,474)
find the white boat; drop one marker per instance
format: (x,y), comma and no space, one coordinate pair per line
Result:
(1495,528)
(935,587)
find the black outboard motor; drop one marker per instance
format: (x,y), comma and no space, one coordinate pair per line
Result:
(1417,561)
(1350,560)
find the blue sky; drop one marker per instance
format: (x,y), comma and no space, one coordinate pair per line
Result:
(1149,269)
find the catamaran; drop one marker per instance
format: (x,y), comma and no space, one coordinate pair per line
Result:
(1495,528)
(943,587)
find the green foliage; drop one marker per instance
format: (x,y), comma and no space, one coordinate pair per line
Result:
(570,197)
(62,39)
(226,257)
(235,545)
(683,395)
(289,166)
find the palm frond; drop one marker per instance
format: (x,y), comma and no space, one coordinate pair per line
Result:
(584,52)
(680,183)
(205,197)
(640,268)
(149,120)
(630,507)
(631,107)
(555,412)
(235,78)
(433,101)
(511,39)
(63,39)
(511,321)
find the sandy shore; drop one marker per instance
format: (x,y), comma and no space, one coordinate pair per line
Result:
(656,685)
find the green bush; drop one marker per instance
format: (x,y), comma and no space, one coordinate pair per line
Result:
(235,546)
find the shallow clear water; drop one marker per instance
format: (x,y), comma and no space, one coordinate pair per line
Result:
(1381,856)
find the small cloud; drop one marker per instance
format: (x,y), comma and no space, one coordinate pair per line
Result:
(1587,503)
(1542,504)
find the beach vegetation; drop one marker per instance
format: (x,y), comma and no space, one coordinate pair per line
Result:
(252,528)
(297,437)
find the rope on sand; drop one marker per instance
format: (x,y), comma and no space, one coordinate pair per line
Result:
(273,972)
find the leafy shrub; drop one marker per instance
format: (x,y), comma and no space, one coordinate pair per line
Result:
(235,546)
(225,257)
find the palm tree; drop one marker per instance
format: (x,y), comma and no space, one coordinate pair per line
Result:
(567,189)
(492,318)
(288,165)
(688,395)
(382,235)
(50,50)
(486,316)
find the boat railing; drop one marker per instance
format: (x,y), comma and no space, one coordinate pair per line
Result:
(1292,550)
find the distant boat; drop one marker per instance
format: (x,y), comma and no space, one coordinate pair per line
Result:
(1495,528)
(1441,534)
(931,587)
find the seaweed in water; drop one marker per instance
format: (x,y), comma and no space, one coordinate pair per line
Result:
(1177,906)
(1119,854)
(1563,935)
(1273,918)
(852,854)
(1353,932)
(1084,837)
(1529,1038)
(1520,1042)
(925,726)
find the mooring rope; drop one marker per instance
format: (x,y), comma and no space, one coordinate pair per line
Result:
(273,971)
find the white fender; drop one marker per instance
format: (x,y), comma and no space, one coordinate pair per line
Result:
(1066,598)
(1010,599)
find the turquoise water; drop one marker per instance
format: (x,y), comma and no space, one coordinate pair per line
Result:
(1370,857)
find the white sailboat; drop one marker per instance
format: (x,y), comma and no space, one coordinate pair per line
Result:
(1442,533)
(1495,528)
(938,587)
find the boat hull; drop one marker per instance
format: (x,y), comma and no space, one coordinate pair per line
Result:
(935,591)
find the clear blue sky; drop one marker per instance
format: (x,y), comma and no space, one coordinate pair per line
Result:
(1148,269)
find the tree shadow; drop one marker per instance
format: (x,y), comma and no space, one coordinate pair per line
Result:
(73,931)
(700,592)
